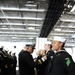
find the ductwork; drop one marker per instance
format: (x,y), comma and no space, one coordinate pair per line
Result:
(54,11)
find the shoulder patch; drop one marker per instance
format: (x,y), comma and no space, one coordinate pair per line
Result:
(68,61)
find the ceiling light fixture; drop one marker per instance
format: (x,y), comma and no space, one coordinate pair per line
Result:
(30,1)
(14,37)
(57,29)
(30,5)
(31,28)
(30,38)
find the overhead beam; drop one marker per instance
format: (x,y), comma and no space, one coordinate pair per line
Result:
(22,18)
(20,24)
(26,33)
(18,29)
(63,31)
(66,20)
(18,35)
(71,13)
(70,27)
(23,9)
(16,40)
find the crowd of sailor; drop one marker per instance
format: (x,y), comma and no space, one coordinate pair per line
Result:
(53,60)
(8,61)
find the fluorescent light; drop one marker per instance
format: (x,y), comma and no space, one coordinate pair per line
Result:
(57,29)
(69,6)
(73,9)
(30,1)
(14,37)
(30,38)
(30,5)
(31,28)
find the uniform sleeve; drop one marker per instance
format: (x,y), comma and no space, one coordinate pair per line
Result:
(30,61)
(69,65)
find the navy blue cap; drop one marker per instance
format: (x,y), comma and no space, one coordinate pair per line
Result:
(30,45)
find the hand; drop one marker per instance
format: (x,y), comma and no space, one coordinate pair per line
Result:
(44,57)
(41,52)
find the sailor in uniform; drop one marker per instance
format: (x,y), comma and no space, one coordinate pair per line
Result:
(62,62)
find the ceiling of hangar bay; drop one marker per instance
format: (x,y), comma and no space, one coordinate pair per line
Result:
(21,20)
(24,20)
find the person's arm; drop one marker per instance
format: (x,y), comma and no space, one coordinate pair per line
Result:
(30,61)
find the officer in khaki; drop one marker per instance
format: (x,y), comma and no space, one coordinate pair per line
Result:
(62,63)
